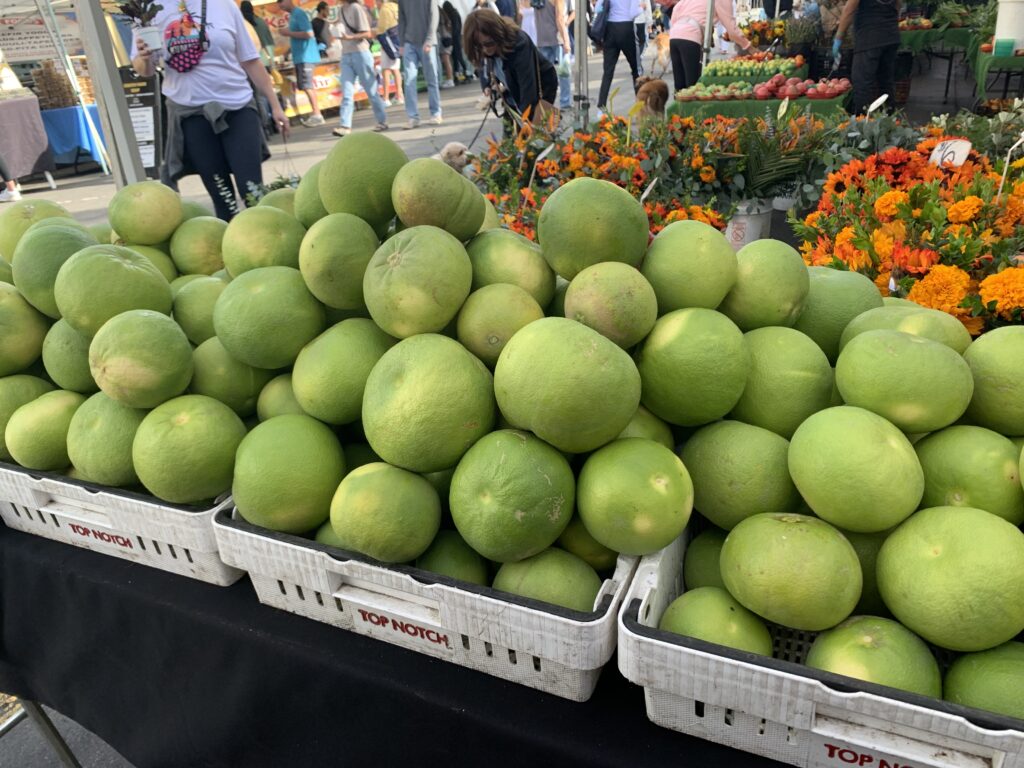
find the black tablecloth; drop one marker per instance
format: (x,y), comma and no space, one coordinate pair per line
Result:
(23,142)
(173,672)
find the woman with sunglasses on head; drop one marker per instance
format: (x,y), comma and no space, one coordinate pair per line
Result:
(213,125)
(513,70)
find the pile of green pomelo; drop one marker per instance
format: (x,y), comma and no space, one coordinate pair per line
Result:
(368,360)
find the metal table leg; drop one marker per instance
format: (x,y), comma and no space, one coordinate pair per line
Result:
(50,733)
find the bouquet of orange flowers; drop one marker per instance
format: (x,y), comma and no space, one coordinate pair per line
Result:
(938,235)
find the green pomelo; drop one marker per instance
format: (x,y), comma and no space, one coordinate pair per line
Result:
(701,566)
(557,306)
(997,365)
(972,467)
(193,307)
(193,210)
(793,570)
(222,274)
(325,535)
(834,299)
(286,472)
(22,331)
(159,259)
(738,471)
(265,317)
(855,469)
(38,258)
(634,496)
(450,556)
(771,287)
(992,680)
(146,212)
(66,359)
(330,372)
(491,316)
(220,376)
(694,366)
(102,281)
(261,237)
(511,495)
(690,264)
(102,231)
(184,449)
(6,275)
(917,321)
(918,384)
(196,245)
(893,301)
(277,398)
(790,379)
(491,220)
(59,221)
(387,513)
(441,480)
(567,384)
(576,540)
(141,358)
(646,424)
(880,651)
(283,198)
(955,576)
(430,192)
(417,281)
(615,300)
(307,205)
(181,281)
(18,217)
(427,400)
(333,258)
(615,226)
(37,432)
(713,615)
(372,159)
(867,546)
(552,576)
(16,391)
(501,256)
(100,440)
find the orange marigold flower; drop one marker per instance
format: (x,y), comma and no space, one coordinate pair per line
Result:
(1006,288)
(852,256)
(917,261)
(882,283)
(885,206)
(944,288)
(966,210)
(812,218)
(707,174)
(894,156)
(883,244)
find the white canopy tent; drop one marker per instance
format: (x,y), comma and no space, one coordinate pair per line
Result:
(121,150)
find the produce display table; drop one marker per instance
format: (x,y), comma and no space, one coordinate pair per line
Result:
(800,72)
(173,672)
(23,141)
(69,134)
(700,110)
(916,40)
(1008,66)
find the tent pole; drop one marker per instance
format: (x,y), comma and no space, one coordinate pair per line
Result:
(709,31)
(53,27)
(125,159)
(581,94)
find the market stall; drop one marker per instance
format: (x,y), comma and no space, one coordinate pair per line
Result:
(69,134)
(23,140)
(751,108)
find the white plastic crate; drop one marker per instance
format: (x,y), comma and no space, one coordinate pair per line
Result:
(130,526)
(791,713)
(536,644)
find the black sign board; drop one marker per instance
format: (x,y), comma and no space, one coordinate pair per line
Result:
(142,94)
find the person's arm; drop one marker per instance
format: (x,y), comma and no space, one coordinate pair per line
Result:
(364,31)
(846,19)
(261,79)
(723,10)
(431,40)
(563,28)
(144,62)
(302,34)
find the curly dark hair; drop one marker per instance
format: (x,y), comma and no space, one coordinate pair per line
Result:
(487,25)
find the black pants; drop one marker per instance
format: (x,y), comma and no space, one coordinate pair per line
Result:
(686,62)
(641,44)
(218,157)
(5,172)
(619,37)
(873,73)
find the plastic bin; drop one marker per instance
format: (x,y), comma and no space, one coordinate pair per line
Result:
(542,646)
(119,523)
(785,711)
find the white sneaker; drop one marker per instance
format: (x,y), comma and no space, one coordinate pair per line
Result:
(387,102)
(10,196)
(448,84)
(313,120)
(436,120)
(413,123)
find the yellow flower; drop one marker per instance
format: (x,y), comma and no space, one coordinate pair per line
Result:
(885,206)
(882,283)
(812,219)
(1006,288)
(846,251)
(883,244)
(965,210)
(944,288)
(707,174)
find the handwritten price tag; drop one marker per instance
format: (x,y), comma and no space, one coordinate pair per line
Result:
(953,151)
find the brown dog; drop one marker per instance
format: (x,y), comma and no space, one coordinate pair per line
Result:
(660,46)
(652,95)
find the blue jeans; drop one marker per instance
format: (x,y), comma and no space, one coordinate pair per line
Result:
(359,66)
(553,53)
(412,58)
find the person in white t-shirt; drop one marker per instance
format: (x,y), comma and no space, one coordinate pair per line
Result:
(213,121)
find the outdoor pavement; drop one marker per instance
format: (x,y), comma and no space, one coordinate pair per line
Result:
(86,196)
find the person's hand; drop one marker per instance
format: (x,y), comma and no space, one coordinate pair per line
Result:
(426,48)
(142,50)
(566,49)
(837,44)
(401,50)
(280,120)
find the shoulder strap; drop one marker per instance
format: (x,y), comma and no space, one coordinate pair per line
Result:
(203,42)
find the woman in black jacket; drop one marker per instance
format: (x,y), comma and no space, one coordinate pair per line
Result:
(455,21)
(512,67)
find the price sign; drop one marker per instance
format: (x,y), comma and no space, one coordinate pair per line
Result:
(952,151)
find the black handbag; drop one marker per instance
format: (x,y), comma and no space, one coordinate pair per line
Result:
(599,24)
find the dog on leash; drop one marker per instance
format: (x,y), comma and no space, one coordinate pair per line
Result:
(455,154)
(661,57)
(652,96)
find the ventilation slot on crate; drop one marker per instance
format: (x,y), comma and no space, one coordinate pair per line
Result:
(728,717)
(280,585)
(792,736)
(511,656)
(142,543)
(536,663)
(156,546)
(54,520)
(170,548)
(698,708)
(465,642)
(338,604)
(488,649)
(761,727)
(188,555)
(298,591)
(319,599)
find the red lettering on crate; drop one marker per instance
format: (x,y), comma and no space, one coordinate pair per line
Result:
(852,757)
(107,538)
(404,627)
(373,618)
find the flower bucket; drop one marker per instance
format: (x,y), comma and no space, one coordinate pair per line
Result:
(150,36)
(752,221)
